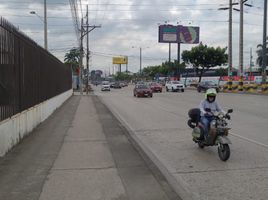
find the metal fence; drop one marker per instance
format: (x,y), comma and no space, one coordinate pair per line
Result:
(29,74)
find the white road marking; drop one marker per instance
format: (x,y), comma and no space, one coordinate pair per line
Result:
(250,140)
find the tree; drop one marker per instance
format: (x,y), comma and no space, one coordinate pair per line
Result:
(221,72)
(203,57)
(72,58)
(166,69)
(122,76)
(259,53)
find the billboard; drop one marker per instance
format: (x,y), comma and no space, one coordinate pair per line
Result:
(188,34)
(168,34)
(120,60)
(178,34)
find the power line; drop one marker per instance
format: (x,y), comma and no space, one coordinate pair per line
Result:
(119,4)
(76,21)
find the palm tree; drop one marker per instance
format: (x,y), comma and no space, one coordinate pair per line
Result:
(72,58)
(259,53)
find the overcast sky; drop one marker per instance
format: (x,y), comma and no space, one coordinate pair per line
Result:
(127,25)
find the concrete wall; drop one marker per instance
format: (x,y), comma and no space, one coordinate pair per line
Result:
(12,130)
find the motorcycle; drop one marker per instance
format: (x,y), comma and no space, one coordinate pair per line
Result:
(217,134)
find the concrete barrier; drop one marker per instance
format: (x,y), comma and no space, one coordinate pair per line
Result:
(264,88)
(12,130)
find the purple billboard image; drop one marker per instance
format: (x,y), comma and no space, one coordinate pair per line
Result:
(189,34)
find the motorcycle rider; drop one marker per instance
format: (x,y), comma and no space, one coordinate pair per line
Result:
(207,107)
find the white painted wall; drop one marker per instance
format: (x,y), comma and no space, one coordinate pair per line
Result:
(12,130)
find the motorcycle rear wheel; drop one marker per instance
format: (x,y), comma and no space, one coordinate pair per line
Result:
(224,151)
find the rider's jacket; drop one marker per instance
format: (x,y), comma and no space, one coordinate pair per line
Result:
(214,107)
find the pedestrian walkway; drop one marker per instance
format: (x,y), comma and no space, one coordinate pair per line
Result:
(95,160)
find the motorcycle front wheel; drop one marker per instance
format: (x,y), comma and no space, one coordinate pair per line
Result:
(201,145)
(224,152)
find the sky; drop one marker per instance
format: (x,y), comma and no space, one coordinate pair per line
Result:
(130,25)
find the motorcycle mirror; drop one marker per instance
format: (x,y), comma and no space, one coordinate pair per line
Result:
(230,111)
(208,110)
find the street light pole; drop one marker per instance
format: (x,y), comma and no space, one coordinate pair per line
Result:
(44,21)
(140,56)
(140,60)
(45,24)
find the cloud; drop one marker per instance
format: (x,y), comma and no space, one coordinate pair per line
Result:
(134,23)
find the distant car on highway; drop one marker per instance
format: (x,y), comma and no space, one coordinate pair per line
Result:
(142,90)
(204,85)
(112,84)
(117,85)
(174,86)
(105,86)
(155,87)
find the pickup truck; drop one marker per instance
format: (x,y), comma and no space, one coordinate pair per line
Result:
(174,86)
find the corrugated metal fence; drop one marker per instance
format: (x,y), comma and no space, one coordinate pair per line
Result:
(29,74)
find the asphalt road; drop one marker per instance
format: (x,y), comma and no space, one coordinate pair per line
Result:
(158,124)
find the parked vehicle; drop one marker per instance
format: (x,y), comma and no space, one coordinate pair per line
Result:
(117,85)
(142,90)
(204,85)
(218,132)
(155,87)
(174,86)
(105,86)
(123,84)
(112,84)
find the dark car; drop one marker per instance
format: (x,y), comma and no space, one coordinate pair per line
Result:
(155,87)
(117,85)
(112,84)
(204,85)
(141,90)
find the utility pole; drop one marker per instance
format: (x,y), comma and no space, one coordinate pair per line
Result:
(240,87)
(87,86)
(250,64)
(81,59)
(230,42)
(230,46)
(264,43)
(83,33)
(45,24)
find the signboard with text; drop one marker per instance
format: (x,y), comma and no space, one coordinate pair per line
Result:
(120,60)
(168,34)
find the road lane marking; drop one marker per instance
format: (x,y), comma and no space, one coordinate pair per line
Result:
(250,140)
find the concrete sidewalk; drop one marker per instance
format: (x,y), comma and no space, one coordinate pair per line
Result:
(98,162)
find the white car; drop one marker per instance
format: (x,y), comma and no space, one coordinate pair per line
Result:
(105,86)
(174,86)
